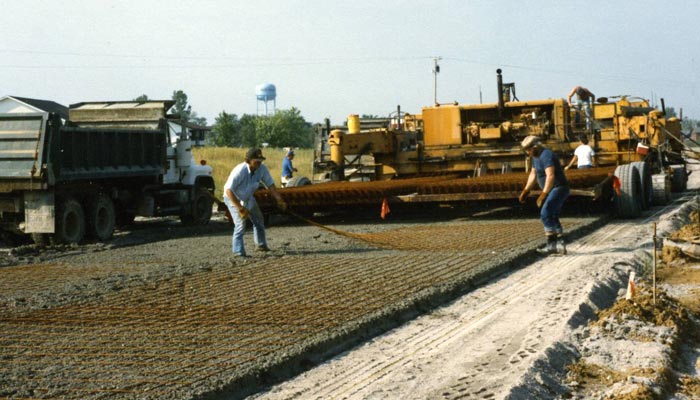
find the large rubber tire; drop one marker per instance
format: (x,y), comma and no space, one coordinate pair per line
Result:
(101,217)
(70,222)
(662,188)
(645,179)
(628,201)
(298,181)
(200,212)
(680,179)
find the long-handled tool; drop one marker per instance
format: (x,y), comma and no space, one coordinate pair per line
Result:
(316,224)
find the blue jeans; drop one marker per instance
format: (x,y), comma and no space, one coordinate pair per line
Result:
(585,107)
(549,214)
(256,217)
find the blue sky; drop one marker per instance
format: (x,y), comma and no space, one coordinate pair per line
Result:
(331,58)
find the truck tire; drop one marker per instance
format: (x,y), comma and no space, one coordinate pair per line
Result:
(101,217)
(70,222)
(662,188)
(201,209)
(628,201)
(680,179)
(298,181)
(647,197)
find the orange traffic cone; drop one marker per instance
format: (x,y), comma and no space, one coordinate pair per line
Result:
(385,208)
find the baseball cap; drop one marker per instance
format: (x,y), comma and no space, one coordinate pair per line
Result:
(254,154)
(290,153)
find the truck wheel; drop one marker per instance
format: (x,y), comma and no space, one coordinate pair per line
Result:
(101,217)
(298,181)
(628,201)
(70,222)
(662,188)
(201,209)
(645,180)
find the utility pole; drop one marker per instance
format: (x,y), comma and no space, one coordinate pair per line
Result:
(436,71)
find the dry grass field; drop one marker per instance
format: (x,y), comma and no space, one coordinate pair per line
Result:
(223,159)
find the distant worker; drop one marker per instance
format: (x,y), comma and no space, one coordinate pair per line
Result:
(584,101)
(240,186)
(288,169)
(583,155)
(548,173)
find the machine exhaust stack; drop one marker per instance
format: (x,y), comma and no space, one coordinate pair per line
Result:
(499,80)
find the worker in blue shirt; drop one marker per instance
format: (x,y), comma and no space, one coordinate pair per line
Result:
(548,173)
(288,169)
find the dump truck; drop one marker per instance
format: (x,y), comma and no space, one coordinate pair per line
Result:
(108,163)
(642,145)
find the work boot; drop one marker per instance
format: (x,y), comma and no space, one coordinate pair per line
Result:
(263,248)
(561,247)
(549,248)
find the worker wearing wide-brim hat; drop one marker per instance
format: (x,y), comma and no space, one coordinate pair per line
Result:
(239,189)
(548,173)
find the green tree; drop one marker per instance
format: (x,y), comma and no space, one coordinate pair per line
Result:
(248,131)
(227,130)
(141,98)
(285,128)
(184,110)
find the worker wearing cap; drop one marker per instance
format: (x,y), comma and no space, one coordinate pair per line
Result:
(288,169)
(242,182)
(548,173)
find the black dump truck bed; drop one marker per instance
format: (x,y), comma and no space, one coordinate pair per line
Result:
(37,151)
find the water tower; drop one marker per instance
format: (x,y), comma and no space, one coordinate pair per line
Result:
(265,92)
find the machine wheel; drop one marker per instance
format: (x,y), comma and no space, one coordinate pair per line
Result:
(298,181)
(201,210)
(680,179)
(101,217)
(70,222)
(645,179)
(628,202)
(662,188)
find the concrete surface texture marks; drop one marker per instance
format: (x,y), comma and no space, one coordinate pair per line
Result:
(512,337)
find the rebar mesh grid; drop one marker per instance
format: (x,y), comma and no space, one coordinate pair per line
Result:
(189,334)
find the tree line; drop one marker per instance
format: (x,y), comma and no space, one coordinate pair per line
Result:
(284,128)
